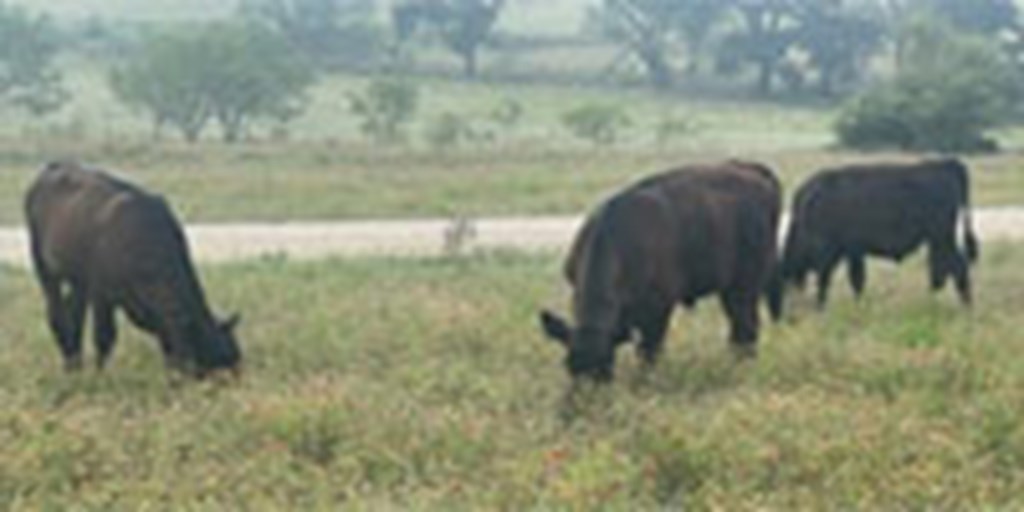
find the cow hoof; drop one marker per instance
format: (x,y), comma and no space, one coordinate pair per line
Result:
(744,351)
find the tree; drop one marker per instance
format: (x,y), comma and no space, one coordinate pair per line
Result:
(464,26)
(330,32)
(838,38)
(28,47)
(951,89)
(385,106)
(645,29)
(164,79)
(767,29)
(253,73)
(230,73)
(695,20)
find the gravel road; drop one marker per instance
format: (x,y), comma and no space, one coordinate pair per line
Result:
(417,237)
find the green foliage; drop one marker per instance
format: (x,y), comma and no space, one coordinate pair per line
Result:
(231,73)
(385,107)
(464,26)
(950,90)
(254,73)
(332,33)
(167,79)
(600,124)
(448,130)
(28,48)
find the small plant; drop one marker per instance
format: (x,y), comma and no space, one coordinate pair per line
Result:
(385,107)
(448,130)
(507,114)
(672,126)
(598,123)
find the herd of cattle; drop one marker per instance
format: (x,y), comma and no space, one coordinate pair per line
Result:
(100,243)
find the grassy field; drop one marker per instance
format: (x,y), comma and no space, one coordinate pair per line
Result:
(326,170)
(425,385)
(314,181)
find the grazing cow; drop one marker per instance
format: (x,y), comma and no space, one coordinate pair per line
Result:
(671,238)
(886,210)
(101,242)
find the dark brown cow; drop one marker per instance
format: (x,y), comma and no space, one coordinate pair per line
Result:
(672,238)
(886,210)
(101,242)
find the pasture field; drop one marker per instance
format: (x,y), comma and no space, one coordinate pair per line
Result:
(325,169)
(298,181)
(425,385)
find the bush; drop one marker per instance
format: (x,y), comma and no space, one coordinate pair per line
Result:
(385,106)
(597,123)
(230,73)
(951,90)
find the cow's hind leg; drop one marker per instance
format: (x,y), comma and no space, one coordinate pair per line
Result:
(652,322)
(741,308)
(857,272)
(825,268)
(938,267)
(944,259)
(104,331)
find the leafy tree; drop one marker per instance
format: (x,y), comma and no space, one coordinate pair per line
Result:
(230,73)
(949,92)
(695,20)
(28,47)
(644,28)
(253,73)
(385,107)
(765,33)
(330,32)
(464,26)
(977,16)
(838,38)
(166,80)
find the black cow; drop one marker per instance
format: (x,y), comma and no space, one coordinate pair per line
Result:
(99,241)
(672,238)
(886,210)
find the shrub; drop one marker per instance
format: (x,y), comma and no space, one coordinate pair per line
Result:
(231,73)
(385,107)
(949,92)
(598,123)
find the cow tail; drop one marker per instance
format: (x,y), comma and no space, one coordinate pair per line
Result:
(970,239)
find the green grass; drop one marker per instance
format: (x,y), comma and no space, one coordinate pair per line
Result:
(379,384)
(303,181)
(327,171)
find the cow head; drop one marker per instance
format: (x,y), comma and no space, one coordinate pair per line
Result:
(590,351)
(798,257)
(220,350)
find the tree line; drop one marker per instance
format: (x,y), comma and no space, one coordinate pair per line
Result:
(922,73)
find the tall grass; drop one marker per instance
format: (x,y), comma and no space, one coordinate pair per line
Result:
(380,384)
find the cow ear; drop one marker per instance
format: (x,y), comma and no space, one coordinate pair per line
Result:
(554,327)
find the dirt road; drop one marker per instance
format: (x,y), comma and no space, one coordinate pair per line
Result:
(417,237)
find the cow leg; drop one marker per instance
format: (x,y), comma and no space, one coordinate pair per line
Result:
(825,269)
(961,276)
(741,308)
(945,259)
(104,331)
(653,323)
(857,272)
(938,266)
